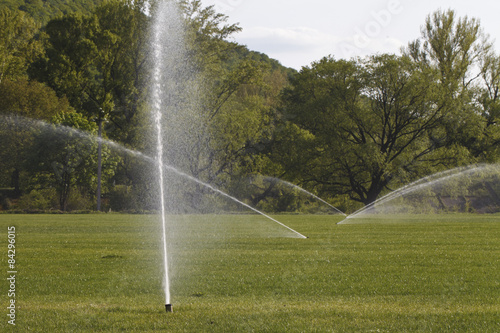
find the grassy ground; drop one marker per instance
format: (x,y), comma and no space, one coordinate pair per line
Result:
(102,273)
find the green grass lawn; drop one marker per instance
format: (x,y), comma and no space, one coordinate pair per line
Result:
(103,273)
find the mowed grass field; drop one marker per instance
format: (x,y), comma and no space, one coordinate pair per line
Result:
(103,273)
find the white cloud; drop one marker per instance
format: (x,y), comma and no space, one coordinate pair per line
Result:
(272,27)
(354,47)
(300,46)
(294,38)
(296,43)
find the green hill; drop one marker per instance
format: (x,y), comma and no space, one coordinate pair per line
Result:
(44,10)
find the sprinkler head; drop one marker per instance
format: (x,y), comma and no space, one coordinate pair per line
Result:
(168,307)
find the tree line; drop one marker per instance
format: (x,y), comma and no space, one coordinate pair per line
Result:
(348,130)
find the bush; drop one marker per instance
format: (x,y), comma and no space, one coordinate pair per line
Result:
(122,198)
(45,199)
(5,202)
(79,202)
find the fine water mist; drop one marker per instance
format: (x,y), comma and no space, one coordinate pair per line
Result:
(61,131)
(471,189)
(179,122)
(51,131)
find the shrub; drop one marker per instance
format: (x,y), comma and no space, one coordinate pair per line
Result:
(45,199)
(5,202)
(122,198)
(79,202)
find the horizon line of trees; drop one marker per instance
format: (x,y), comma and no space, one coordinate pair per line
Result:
(347,130)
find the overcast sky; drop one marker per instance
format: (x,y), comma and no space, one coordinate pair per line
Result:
(298,32)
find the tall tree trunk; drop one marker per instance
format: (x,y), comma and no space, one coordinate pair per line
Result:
(99,166)
(376,187)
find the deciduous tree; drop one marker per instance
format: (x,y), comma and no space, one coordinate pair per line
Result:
(22,103)
(373,123)
(18,46)
(93,61)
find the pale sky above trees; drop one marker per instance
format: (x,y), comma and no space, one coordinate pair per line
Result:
(297,32)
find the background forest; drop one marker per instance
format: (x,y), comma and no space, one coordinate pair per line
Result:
(348,130)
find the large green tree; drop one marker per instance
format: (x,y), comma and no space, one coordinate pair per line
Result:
(487,147)
(462,56)
(64,157)
(373,123)
(93,60)
(101,63)
(23,101)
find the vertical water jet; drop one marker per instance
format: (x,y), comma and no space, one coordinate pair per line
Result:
(180,125)
(174,99)
(157,108)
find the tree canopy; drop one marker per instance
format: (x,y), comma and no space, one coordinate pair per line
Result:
(349,130)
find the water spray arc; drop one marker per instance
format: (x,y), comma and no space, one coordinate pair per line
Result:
(291,185)
(60,129)
(424,183)
(216,190)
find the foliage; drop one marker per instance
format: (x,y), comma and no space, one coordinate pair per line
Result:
(5,202)
(30,99)
(21,102)
(38,200)
(65,158)
(44,10)
(18,46)
(462,56)
(371,120)
(383,121)
(121,198)
(90,60)
(348,130)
